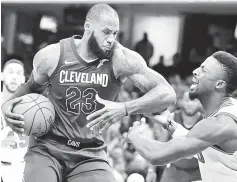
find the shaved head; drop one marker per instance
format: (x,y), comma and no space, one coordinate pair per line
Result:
(99,10)
(101,28)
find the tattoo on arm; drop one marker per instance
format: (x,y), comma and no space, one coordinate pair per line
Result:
(139,75)
(140,82)
(159,94)
(41,67)
(44,61)
(39,63)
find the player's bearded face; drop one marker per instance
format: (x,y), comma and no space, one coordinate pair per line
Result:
(205,78)
(10,88)
(13,77)
(97,50)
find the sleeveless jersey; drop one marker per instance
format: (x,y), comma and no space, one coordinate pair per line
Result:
(216,165)
(72,90)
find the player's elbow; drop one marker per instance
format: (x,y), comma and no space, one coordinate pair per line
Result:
(170,97)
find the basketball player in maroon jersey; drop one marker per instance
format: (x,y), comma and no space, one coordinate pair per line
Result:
(84,76)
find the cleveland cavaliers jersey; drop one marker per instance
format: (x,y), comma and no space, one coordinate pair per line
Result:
(72,90)
(215,164)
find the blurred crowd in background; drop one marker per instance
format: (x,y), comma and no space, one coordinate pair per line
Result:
(128,165)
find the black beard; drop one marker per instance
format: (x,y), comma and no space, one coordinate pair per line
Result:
(95,48)
(9,90)
(192,96)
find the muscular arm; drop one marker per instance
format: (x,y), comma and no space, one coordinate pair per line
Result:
(159,94)
(44,63)
(206,133)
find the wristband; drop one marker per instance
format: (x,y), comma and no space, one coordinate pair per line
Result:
(150,170)
(168,124)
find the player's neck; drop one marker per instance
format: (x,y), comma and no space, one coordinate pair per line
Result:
(84,50)
(190,121)
(211,103)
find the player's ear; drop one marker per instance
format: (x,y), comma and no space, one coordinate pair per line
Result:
(87,26)
(220,84)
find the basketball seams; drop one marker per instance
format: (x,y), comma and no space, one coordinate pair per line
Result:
(27,101)
(31,97)
(32,106)
(32,124)
(48,109)
(24,102)
(33,121)
(38,95)
(40,110)
(30,102)
(35,118)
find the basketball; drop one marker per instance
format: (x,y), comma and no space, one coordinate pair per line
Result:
(38,112)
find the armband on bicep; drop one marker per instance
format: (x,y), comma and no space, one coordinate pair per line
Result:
(29,87)
(168,124)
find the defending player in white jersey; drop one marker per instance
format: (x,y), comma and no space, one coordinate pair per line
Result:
(214,138)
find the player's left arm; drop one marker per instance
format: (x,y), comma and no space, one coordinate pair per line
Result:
(204,134)
(159,94)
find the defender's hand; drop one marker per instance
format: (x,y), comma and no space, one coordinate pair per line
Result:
(15,121)
(160,119)
(165,119)
(151,176)
(111,113)
(136,129)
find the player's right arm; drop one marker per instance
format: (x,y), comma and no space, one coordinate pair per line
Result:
(44,63)
(206,133)
(166,120)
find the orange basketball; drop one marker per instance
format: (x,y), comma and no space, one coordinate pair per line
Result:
(38,112)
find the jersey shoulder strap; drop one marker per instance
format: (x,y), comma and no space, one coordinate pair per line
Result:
(229,109)
(61,43)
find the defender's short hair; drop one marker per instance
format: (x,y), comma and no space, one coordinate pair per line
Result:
(229,64)
(101,9)
(13,61)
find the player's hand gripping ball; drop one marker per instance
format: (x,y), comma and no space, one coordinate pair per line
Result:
(38,112)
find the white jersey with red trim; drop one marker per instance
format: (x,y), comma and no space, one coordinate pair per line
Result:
(215,164)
